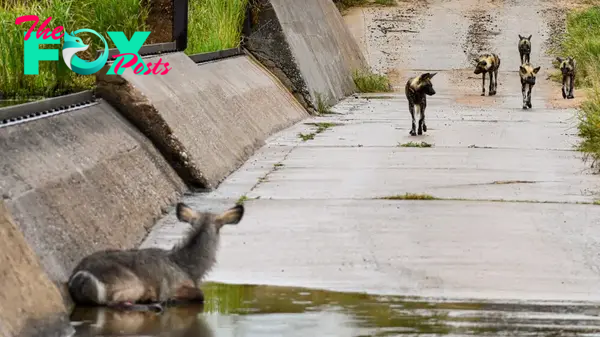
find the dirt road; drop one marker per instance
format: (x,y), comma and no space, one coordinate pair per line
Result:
(519,223)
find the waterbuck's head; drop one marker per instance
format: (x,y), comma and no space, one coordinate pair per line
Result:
(195,218)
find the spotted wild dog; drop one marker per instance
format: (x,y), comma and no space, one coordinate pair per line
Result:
(567,68)
(488,64)
(145,279)
(527,73)
(524,48)
(417,89)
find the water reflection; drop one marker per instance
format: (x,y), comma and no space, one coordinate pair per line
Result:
(245,310)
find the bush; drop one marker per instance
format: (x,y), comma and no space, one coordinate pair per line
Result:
(582,41)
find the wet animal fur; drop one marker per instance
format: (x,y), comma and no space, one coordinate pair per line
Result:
(525,48)
(567,68)
(528,74)
(153,275)
(488,64)
(417,89)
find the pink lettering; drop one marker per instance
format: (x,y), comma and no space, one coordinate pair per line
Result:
(42,31)
(149,70)
(128,64)
(27,18)
(138,69)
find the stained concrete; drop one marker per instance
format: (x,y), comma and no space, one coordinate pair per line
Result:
(83,181)
(311,218)
(206,119)
(308,46)
(30,304)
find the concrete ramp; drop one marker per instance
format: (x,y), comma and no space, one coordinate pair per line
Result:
(206,119)
(82,181)
(30,304)
(308,46)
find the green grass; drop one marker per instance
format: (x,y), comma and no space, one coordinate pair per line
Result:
(386,2)
(54,77)
(320,128)
(215,25)
(368,82)
(582,41)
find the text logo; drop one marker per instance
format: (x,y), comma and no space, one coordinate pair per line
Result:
(129,49)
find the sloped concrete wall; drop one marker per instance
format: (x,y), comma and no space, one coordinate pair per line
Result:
(30,304)
(82,181)
(307,45)
(206,119)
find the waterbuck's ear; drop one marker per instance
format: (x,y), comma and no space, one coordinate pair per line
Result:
(231,216)
(529,37)
(185,213)
(536,69)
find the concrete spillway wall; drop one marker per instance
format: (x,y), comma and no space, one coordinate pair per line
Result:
(100,176)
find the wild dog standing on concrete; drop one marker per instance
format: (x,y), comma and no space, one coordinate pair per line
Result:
(416,89)
(122,278)
(527,73)
(524,48)
(488,64)
(567,68)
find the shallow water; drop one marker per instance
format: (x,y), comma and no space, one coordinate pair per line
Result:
(249,311)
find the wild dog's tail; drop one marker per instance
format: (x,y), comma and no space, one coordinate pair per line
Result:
(85,288)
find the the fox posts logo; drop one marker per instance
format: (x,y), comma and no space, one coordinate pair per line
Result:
(32,53)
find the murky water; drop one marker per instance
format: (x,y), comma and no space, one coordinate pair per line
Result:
(249,311)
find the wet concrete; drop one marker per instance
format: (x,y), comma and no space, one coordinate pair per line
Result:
(520,222)
(249,310)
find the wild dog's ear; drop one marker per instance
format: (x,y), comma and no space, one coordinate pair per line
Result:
(522,69)
(559,59)
(185,213)
(529,37)
(520,37)
(475,61)
(431,75)
(535,70)
(231,216)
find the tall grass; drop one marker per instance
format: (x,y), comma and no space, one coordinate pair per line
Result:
(54,77)
(582,41)
(215,25)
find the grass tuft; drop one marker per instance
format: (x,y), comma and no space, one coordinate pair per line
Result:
(367,81)
(416,144)
(215,25)
(410,196)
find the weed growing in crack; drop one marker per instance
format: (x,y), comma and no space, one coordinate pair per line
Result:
(320,128)
(416,144)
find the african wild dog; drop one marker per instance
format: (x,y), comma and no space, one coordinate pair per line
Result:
(567,68)
(417,88)
(125,278)
(524,48)
(488,63)
(527,73)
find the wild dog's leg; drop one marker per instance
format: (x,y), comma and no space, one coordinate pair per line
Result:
(423,106)
(411,108)
(527,57)
(491,89)
(524,92)
(483,84)
(418,117)
(529,96)
(495,81)
(522,55)
(571,86)
(564,86)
